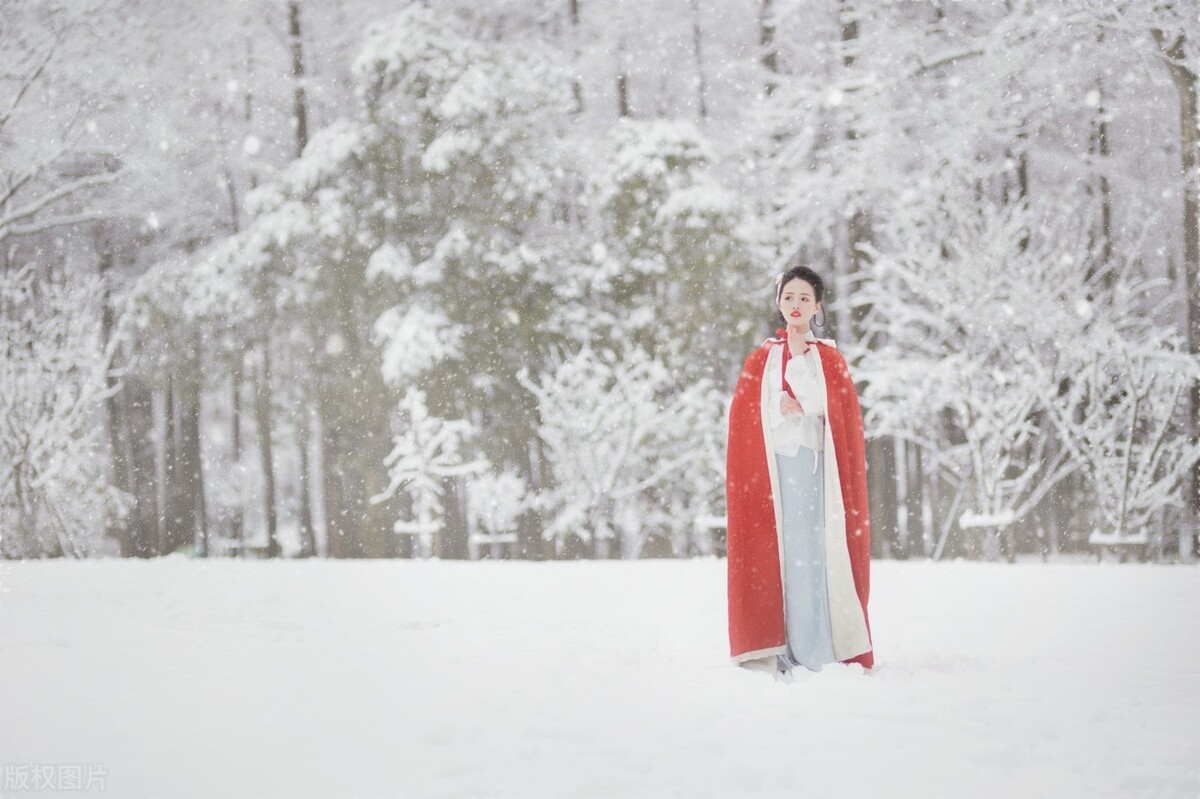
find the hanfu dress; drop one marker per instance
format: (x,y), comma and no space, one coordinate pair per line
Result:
(798,541)
(800,459)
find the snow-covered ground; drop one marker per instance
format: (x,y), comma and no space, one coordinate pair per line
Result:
(590,679)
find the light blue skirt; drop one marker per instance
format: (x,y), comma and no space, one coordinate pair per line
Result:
(805,592)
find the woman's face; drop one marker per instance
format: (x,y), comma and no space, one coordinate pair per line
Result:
(798,303)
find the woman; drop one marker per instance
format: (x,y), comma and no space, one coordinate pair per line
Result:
(799,540)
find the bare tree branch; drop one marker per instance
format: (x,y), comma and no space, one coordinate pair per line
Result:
(27,82)
(8,222)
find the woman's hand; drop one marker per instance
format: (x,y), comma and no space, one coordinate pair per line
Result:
(790,405)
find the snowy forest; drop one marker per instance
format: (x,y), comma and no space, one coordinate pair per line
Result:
(451,279)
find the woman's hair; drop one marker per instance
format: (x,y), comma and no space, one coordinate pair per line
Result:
(805,274)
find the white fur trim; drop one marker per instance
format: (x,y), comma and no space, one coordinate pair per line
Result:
(849,625)
(773,366)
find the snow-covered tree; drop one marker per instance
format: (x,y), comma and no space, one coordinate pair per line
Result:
(410,237)
(1014,357)
(1119,417)
(426,451)
(623,437)
(55,498)
(974,294)
(673,267)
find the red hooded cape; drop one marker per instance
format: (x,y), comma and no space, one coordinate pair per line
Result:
(755,587)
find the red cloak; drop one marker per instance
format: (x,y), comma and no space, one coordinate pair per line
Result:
(756,621)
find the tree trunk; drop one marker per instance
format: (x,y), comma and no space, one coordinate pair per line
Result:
(308,542)
(576,86)
(308,539)
(452,540)
(266,449)
(932,487)
(1185,87)
(881,451)
(530,543)
(848,17)
(424,525)
(766,41)
(881,484)
(300,104)
(914,501)
(898,546)
(238,533)
(118,442)
(341,535)
(190,472)
(404,545)
(622,82)
(174,526)
(697,52)
(1102,151)
(606,548)
(138,419)
(139,427)
(238,376)
(355,439)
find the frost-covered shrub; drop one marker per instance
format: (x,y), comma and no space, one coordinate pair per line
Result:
(627,444)
(1118,412)
(495,503)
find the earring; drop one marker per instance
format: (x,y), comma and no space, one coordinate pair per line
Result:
(822,322)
